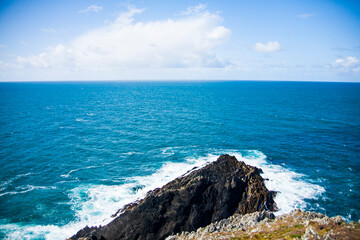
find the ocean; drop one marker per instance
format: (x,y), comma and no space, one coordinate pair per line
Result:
(73,153)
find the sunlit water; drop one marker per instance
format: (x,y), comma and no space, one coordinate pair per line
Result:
(73,153)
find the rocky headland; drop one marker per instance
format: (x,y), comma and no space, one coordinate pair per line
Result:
(226,199)
(203,196)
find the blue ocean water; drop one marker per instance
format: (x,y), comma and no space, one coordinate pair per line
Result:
(72,153)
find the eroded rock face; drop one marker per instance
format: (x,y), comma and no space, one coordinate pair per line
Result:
(207,195)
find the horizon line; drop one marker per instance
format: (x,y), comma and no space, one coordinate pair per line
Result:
(174,80)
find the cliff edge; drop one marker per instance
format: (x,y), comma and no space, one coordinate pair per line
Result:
(297,224)
(197,199)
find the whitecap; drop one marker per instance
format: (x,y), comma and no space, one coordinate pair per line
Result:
(15,231)
(131,153)
(169,151)
(81,120)
(75,170)
(26,188)
(6,183)
(95,204)
(15,192)
(292,188)
(66,127)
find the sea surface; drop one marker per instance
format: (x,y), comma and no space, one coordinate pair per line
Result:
(73,153)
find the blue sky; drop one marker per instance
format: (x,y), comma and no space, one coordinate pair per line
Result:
(179,40)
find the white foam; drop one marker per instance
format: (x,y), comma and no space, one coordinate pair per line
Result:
(75,170)
(292,188)
(131,153)
(6,183)
(168,151)
(94,204)
(103,201)
(81,120)
(26,188)
(16,232)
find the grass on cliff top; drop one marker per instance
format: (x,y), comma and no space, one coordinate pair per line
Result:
(279,232)
(286,229)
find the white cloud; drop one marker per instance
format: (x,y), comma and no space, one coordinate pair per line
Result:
(91,8)
(194,9)
(305,15)
(347,64)
(4,65)
(268,47)
(185,42)
(127,18)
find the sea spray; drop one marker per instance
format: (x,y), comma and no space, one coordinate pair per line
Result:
(94,205)
(292,188)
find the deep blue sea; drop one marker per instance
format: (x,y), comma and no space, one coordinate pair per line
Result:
(72,153)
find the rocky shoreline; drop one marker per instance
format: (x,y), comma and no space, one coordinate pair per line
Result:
(200,197)
(226,199)
(297,224)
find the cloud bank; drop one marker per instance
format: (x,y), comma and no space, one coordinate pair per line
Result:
(91,8)
(347,64)
(193,9)
(268,47)
(184,42)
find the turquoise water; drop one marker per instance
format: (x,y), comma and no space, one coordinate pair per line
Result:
(73,153)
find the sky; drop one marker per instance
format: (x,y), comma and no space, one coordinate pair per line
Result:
(298,40)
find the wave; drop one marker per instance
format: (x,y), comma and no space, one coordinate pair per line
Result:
(131,153)
(292,188)
(81,120)
(6,183)
(95,204)
(16,231)
(169,151)
(75,170)
(25,189)
(103,200)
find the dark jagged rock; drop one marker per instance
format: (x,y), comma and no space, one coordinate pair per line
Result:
(195,200)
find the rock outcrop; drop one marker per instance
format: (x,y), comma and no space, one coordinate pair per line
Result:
(212,193)
(297,224)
